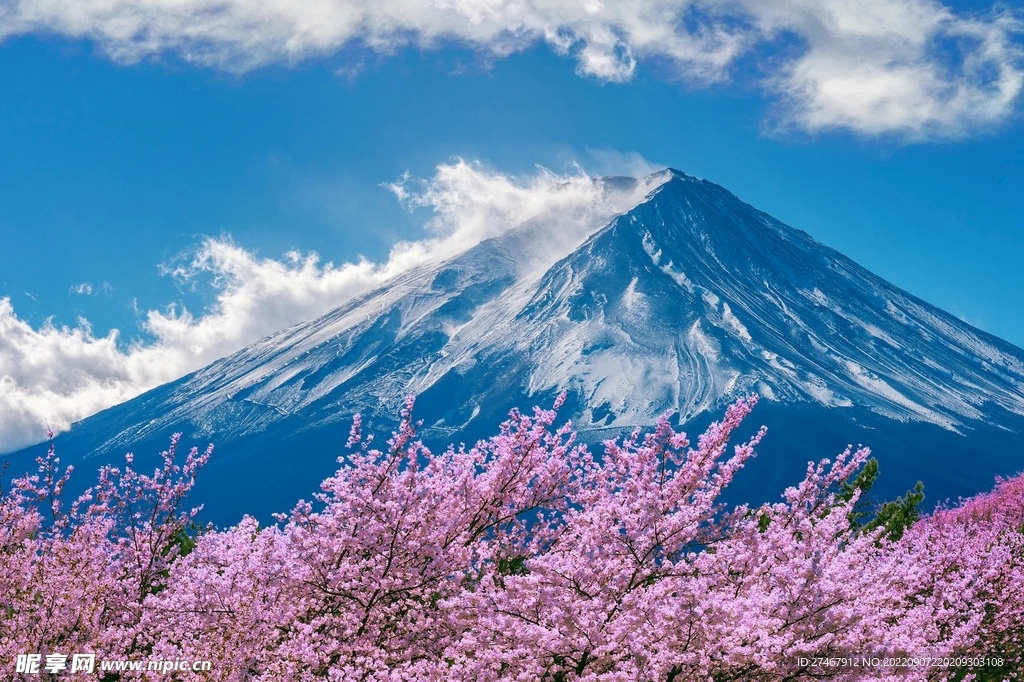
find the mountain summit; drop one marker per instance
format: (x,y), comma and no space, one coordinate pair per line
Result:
(684,302)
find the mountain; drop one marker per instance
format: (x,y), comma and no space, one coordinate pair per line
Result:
(683,302)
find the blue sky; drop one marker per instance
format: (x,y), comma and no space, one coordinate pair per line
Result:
(160,158)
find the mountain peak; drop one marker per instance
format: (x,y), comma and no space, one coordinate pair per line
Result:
(681,302)
(684,301)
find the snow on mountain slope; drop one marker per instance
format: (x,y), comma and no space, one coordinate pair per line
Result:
(380,337)
(682,302)
(687,299)
(694,296)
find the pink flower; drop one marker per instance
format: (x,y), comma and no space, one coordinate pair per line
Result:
(524,557)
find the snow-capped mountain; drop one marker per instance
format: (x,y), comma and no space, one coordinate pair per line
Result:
(683,302)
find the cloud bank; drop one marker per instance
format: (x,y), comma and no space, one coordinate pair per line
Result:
(58,375)
(912,68)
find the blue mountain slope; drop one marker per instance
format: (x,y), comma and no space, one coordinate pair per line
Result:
(684,302)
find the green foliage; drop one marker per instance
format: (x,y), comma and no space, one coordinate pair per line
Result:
(897,515)
(513,566)
(184,541)
(894,516)
(186,538)
(862,482)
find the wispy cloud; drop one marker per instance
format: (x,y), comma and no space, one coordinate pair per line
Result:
(63,374)
(84,289)
(912,68)
(608,162)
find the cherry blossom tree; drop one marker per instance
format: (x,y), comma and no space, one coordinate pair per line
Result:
(524,557)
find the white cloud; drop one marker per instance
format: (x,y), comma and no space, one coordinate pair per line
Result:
(913,68)
(85,289)
(910,67)
(58,375)
(611,162)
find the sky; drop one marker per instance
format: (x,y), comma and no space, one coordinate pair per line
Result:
(179,179)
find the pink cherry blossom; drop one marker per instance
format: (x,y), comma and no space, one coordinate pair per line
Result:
(525,557)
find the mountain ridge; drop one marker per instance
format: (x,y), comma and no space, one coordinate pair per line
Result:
(685,301)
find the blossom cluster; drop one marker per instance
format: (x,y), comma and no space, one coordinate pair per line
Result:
(524,557)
